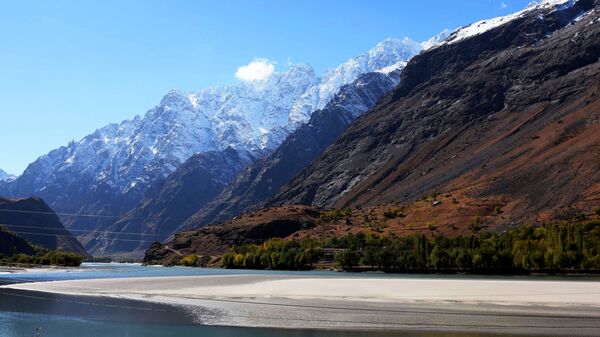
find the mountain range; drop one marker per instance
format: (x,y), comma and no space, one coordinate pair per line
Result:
(119,167)
(495,127)
(192,190)
(494,121)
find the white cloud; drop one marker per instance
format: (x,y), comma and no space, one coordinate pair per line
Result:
(503,5)
(259,69)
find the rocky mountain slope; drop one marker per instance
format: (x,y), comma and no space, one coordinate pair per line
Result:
(194,183)
(115,168)
(496,127)
(507,113)
(34,220)
(251,228)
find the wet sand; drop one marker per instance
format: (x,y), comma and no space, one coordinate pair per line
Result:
(519,307)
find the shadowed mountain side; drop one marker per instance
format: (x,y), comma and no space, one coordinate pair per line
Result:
(11,244)
(36,222)
(194,183)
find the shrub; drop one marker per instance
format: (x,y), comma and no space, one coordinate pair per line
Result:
(394,213)
(333,215)
(190,260)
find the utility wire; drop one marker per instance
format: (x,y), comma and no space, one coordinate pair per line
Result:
(89,215)
(74,236)
(85,230)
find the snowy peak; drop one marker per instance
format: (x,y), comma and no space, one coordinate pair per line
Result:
(386,53)
(121,161)
(483,26)
(6,176)
(392,49)
(436,39)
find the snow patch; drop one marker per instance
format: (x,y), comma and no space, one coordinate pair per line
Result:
(483,26)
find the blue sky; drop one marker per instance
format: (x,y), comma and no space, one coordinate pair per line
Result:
(70,67)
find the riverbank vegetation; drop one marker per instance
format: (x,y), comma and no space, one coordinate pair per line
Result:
(44,257)
(546,248)
(15,250)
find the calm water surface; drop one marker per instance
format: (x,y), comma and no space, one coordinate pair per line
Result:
(38,314)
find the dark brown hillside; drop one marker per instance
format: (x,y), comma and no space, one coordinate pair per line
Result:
(250,228)
(511,114)
(33,220)
(11,244)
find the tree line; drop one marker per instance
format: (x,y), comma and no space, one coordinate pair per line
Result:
(44,257)
(548,247)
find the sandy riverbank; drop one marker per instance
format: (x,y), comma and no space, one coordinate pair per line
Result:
(508,306)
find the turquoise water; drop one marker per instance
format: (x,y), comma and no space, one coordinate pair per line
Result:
(45,315)
(118,270)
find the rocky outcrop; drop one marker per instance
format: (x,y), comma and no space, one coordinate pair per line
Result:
(255,227)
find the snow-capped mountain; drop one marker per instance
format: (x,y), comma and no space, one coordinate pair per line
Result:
(111,169)
(483,26)
(5,176)
(197,186)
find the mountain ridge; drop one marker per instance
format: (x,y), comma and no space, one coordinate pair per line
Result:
(392,154)
(180,198)
(496,130)
(123,160)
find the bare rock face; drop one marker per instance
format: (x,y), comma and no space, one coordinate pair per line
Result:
(36,222)
(512,112)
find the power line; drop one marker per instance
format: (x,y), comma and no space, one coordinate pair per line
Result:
(74,236)
(58,213)
(89,215)
(86,230)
